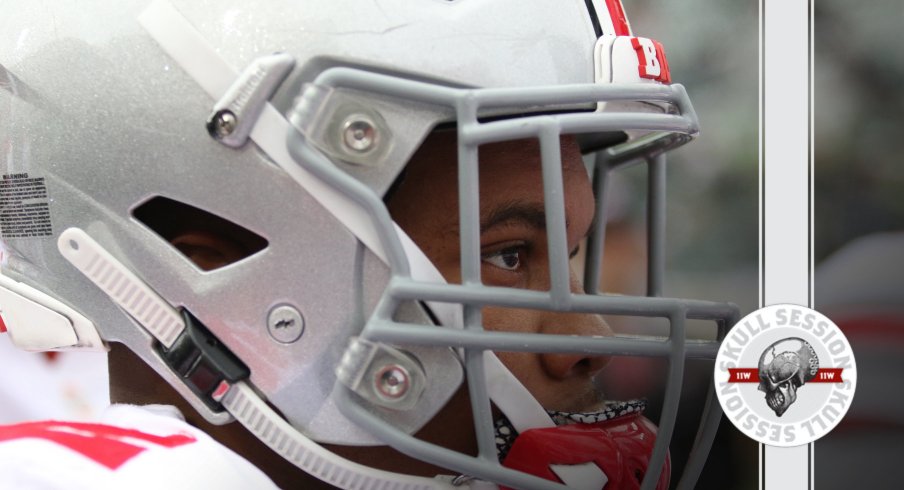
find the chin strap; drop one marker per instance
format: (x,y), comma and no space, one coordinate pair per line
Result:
(161,320)
(262,421)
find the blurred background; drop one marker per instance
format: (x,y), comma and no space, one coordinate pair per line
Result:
(858,208)
(713,223)
(859,226)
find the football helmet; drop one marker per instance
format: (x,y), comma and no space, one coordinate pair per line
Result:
(284,124)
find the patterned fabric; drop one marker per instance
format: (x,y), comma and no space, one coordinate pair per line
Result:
(506,434)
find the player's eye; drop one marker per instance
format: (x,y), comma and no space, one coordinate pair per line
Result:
(508,259)
(574,252)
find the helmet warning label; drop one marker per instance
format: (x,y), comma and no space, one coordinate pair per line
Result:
(785,375)
(24,207)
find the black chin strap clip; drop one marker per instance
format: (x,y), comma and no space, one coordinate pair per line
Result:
(203,362)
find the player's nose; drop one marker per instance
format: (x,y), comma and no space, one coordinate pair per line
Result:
(564,366)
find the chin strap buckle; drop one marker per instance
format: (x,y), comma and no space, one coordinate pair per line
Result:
(188,348)
(205,365)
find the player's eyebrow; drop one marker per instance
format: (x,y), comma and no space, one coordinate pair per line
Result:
(531,214)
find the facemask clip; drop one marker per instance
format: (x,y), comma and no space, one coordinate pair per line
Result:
(382,374)
(236,113)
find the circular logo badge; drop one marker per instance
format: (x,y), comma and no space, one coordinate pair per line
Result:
(785,375)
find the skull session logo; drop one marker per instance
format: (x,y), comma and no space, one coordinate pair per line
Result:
(780,375)
(785,375)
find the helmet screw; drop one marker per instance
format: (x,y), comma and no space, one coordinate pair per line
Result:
(285,324)
(359,133)
(392,381)
(222,124)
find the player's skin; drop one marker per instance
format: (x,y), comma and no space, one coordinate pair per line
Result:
(513,248)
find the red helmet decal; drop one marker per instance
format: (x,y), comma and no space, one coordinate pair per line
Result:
(651,59)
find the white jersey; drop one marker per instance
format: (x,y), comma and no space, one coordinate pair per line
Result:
(57,385)
(131,447)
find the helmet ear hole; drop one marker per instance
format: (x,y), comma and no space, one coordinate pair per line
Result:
(207,240)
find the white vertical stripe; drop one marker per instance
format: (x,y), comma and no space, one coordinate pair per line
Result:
(602,14)
(785,190)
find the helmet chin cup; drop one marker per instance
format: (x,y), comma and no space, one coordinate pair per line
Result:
(609,454)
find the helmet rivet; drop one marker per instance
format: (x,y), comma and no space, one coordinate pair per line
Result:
(285,324)
(222,124)
(392,381)
(359,134)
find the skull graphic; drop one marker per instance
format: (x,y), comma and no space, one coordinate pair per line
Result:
(784,367)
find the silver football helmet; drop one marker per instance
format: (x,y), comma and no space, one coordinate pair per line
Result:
(284,124)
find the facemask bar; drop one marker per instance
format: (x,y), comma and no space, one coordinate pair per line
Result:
(472,295)
(605,162)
